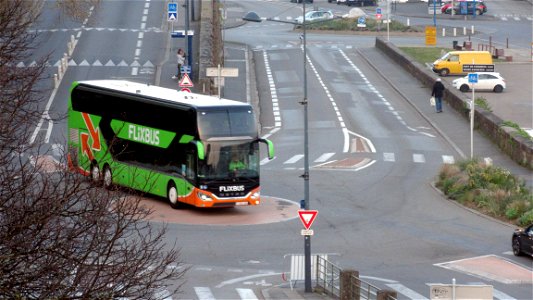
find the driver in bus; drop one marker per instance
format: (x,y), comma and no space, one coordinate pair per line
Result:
(236,164)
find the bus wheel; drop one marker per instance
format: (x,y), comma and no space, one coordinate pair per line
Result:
(444,72)
(172,196)
(108,177)
(95,174)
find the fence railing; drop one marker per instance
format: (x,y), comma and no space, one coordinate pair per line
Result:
(346,285)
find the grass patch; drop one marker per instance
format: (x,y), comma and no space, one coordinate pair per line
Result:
(351,25)
(425,55)
(491,190)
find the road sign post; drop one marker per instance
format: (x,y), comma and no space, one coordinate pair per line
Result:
(473,79)
(219,73)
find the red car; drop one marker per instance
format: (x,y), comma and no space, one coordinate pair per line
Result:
(464,9)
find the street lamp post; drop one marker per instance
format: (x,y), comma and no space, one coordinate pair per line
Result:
(252,16)
(307,238)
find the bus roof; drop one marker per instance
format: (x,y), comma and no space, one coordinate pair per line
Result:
(152,91)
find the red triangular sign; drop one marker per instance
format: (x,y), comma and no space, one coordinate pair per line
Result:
(186,81)
(307,217)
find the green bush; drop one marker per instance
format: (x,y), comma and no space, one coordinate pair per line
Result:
(492,190)
(526,218)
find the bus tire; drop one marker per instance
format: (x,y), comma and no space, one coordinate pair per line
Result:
(95,173)
(172,196)
(444,72)
(108,177)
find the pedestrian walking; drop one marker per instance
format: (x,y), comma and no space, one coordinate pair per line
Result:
(437,92)
(180,57)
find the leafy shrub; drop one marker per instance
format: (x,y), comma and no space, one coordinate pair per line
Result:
(490,189)
(526,218)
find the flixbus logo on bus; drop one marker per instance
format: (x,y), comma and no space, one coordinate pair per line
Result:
(142,134)
(231,188)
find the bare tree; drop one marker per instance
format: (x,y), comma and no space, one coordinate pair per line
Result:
(60,237)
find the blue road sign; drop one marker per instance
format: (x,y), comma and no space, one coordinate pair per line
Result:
(173,7)
(472,77)
(186,69)
(378,11)
(361,20)
(172,16)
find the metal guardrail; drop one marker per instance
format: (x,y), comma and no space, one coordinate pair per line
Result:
(328,279)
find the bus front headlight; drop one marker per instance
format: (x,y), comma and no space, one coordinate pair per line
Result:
(255,195)
(204,197)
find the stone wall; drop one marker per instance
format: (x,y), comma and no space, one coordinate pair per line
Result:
(517,147)
(210,49)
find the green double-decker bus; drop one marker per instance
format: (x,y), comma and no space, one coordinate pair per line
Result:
(189,148)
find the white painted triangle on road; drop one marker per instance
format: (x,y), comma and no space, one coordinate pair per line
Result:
(122,64)
(84,63)
(97,63)
(110,63)
(148,64)
(72,63)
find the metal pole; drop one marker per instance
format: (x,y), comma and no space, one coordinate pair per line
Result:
(307,238)
(187,32)
(472,107)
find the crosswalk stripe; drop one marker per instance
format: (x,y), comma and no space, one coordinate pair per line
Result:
(419,158)
(247,294)
(324,157)
(448,159)
(400,288)
(388,156)
(294,159)
(204,293)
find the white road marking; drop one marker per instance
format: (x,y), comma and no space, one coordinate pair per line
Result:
(400,288)
(419,158)
(388,156)
(324,157)
(294,159)
(204,293)
(247,294)
(448,159)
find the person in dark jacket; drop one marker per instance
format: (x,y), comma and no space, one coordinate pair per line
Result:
(437,92)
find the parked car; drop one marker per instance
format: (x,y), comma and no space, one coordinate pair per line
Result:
(487,81)
(522,241)
(480,7)
(315,15)
(300,1)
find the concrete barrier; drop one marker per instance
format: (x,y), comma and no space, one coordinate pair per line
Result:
(516,147)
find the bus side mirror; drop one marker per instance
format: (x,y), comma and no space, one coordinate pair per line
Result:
(270,147)
(199,149)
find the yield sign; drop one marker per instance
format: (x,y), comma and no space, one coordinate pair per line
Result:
(307,217)
(186,81)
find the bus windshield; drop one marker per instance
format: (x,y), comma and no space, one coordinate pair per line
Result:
(227,123)
(225,159)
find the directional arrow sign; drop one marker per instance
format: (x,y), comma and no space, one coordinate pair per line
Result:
(307,217)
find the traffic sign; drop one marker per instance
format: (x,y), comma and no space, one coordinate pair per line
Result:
(185,90)
(186,81)
(472,78)
(361,22)
(173,7)
(224,72)
(378,11)
(469,68)
(307,232)
(307,217)
(186,69)
(172,16)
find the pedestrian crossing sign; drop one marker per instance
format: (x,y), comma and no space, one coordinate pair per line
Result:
(186,81)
